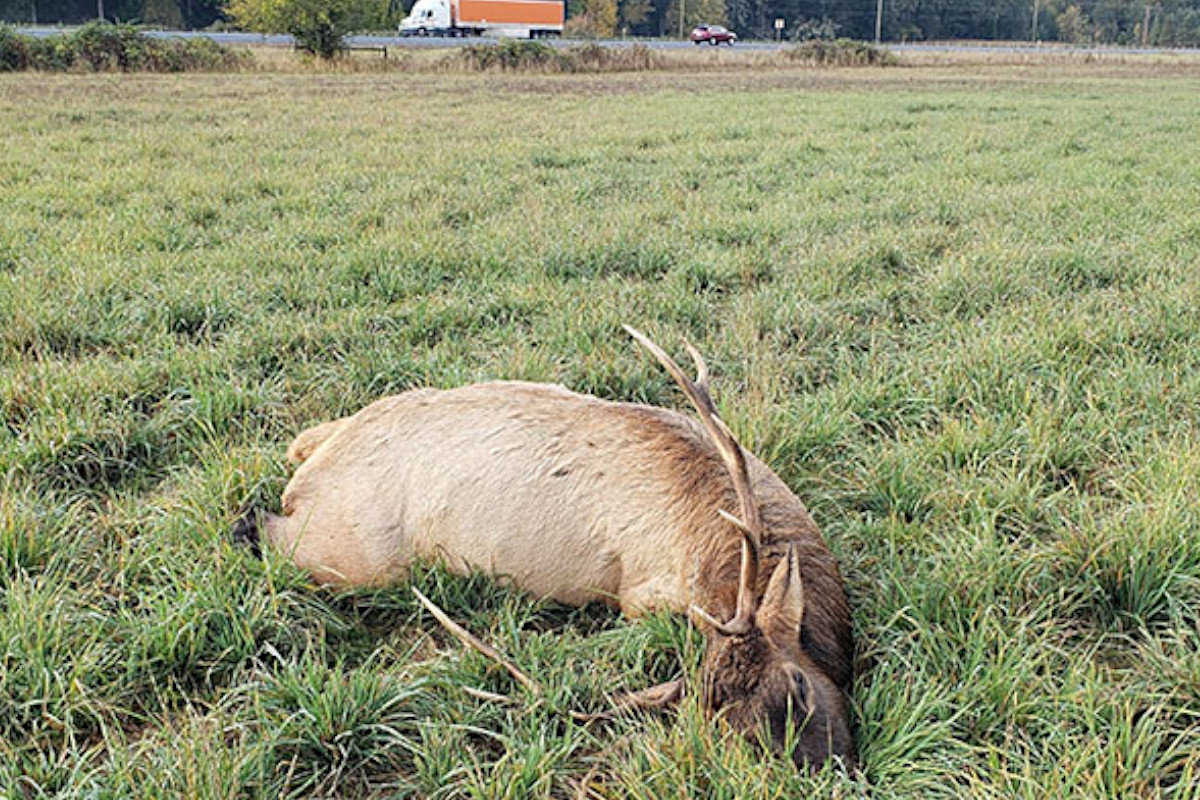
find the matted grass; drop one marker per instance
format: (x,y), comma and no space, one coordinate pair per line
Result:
(955,311)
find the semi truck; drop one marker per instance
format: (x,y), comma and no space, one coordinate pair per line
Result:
(525,19)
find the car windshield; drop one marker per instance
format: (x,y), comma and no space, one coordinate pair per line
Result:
(717,29)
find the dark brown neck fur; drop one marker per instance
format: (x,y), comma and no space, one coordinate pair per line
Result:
(700,487)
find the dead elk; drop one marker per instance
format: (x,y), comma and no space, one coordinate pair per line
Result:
(580,499)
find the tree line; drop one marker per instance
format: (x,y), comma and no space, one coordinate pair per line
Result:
(1155,22)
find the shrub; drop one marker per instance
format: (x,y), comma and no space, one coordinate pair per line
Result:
(100,47)
(840,53)
(52,53)
(530,56)
(512,55)
(103,47)
(198,54)
(14,50)
(598,58)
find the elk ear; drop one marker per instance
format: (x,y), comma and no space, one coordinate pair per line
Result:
(782,609)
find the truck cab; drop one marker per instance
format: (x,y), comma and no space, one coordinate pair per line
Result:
(428,17)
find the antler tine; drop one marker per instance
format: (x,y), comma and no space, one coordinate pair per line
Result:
(708,619)
(748,576)
(469,639)
(702,373)
(697,392)
(750,523)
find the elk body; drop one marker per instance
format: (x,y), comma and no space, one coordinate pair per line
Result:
(580,499)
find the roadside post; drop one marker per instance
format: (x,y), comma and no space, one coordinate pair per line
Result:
(778,28)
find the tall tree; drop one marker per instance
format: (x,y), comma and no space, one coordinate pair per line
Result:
(317,25)
(632,13)
(1074,25)
(695,12)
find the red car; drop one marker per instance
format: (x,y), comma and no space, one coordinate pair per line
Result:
(713,34)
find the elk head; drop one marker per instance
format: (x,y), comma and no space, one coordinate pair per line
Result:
(763,684)
(756,676)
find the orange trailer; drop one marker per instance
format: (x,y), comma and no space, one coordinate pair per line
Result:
(523,18)
(540,14)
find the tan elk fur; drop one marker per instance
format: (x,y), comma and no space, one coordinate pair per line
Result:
(568,496)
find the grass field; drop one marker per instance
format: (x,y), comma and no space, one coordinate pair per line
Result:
(955,310)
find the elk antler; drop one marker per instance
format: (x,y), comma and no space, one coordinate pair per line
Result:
(469,639)
(653,697)
(749,524)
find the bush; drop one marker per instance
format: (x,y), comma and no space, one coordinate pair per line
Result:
(103,47)
(100,47)
(52,53)
(531,56)
(14,50)
(598,58)
(840,53)
(513,55)
(203,53)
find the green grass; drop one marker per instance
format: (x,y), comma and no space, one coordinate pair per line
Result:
(956,312)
